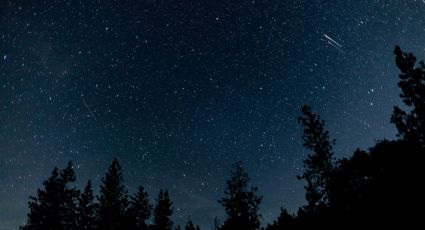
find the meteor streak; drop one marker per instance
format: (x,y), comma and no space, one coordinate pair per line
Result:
(333,43)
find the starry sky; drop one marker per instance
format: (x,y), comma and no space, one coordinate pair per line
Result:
(178,90)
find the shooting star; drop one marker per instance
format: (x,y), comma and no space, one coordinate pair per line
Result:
(88,109)
(333,43)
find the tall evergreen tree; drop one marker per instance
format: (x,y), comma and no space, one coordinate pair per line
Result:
(240,202)
(216,223)
(318,164)
(113,200)
(410,125)
(284,221)
(139,211)
(191,226)
(70,198)
(87,209)
(54,208)
(163,211)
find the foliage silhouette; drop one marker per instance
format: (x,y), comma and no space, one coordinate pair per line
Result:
(318,165)
(162,212)
(139,211)
(87,209)
(113,200)
(55,207)
(284,221)
(411,126)
(191,226)
(240,202)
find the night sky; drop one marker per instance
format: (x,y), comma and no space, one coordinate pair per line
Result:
(178,90)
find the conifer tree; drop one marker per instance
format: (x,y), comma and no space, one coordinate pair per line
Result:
(284,221)
(163,211)
(55,207)
(240,202)
(87,209)
(191,226)
(113,200)
(70,198)
(318,165)
(410,125)
(139,211)
(216,223)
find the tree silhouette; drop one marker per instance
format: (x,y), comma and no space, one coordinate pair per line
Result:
(216,223)
(113,199)
(191,226)
(318,164)
(139,211)
(55,206)
(87,209)
(411,126)
(70,198)
(240,202)
(284,221)
(163,211)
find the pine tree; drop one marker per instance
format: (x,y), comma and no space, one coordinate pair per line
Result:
(191,226)
(113,200)
(318,164)
(284,221)
(240,202)
(54,208)
(216,223)
(71,195)
(139,211)
(411,126)
(163,211)
(87,209)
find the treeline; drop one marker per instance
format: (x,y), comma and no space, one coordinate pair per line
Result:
(378,187)
(59,205)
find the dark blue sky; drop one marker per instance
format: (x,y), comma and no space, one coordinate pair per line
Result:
(178,90)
